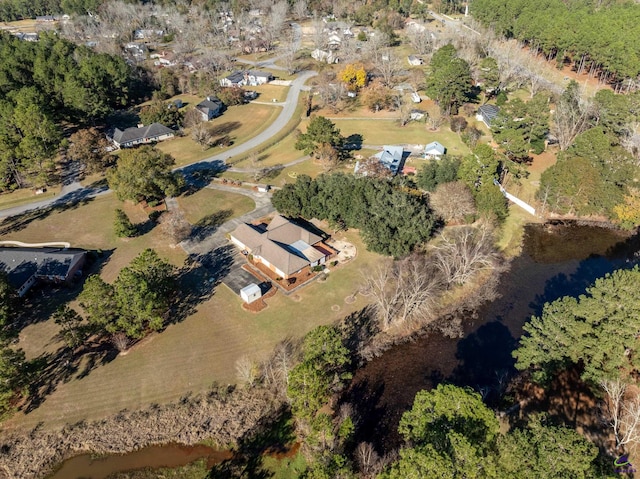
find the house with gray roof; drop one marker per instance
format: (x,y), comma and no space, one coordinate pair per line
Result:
(434,150)
(391,157)
(141,135)
(234,79)
(487,113)
(283,246)
(26,266)
(249,77)
(210,108)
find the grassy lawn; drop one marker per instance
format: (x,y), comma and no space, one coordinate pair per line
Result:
(90,226)
(25,196)
(281,153)
(239,122)
(207,202)
(269,92)
(202,349)
(389,132)
(278,146)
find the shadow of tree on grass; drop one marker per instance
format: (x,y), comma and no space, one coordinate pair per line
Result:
(197,280)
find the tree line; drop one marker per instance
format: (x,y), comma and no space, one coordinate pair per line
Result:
(595,36)
(598,161)
(43,85)
(595,334)
(392,220)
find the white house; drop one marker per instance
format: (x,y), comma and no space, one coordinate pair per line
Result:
(250,77)
(415,97)
(414,60)
(434,150)
(324,56)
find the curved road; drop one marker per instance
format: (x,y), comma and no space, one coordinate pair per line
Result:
(73,191)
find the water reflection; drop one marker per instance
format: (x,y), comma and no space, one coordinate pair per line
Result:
(556,261)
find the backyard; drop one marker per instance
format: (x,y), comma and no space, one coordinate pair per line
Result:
(195,352)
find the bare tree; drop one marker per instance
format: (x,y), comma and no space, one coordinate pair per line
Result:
(201,135)
(192,118)
(381,284)
(300,9)
(631,141)
(422,42)
(368,460)
(403,291)
(434,119)
(622,413)
(275,371)
(274,23)
(327,156)
(571,118)
(247,370)
(319,38)
(462,252)
(175,225)
(373,48)
(453,201)
(388,66)
(372,168)
(288,49)
(120,341)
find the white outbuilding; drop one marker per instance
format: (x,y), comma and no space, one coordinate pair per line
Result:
(250,293)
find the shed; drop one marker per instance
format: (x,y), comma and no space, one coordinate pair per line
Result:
(250,293)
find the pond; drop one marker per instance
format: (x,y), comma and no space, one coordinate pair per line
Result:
(557,260)
(90,466)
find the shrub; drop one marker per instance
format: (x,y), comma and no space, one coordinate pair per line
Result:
(123,226)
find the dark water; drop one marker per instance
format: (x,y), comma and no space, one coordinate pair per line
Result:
(154,457)
(556,261)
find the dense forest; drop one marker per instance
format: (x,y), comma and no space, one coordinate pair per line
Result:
(600,37)
(46,84)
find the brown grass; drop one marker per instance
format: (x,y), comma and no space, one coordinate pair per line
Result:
(247,121)
(207,202)
(191,355)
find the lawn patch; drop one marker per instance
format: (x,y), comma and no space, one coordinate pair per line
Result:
(238,122)
(207,202)
(202,349)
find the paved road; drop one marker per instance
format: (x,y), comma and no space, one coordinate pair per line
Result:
(280,122)
(73,191)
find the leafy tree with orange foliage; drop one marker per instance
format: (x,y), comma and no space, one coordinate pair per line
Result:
(354,75)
